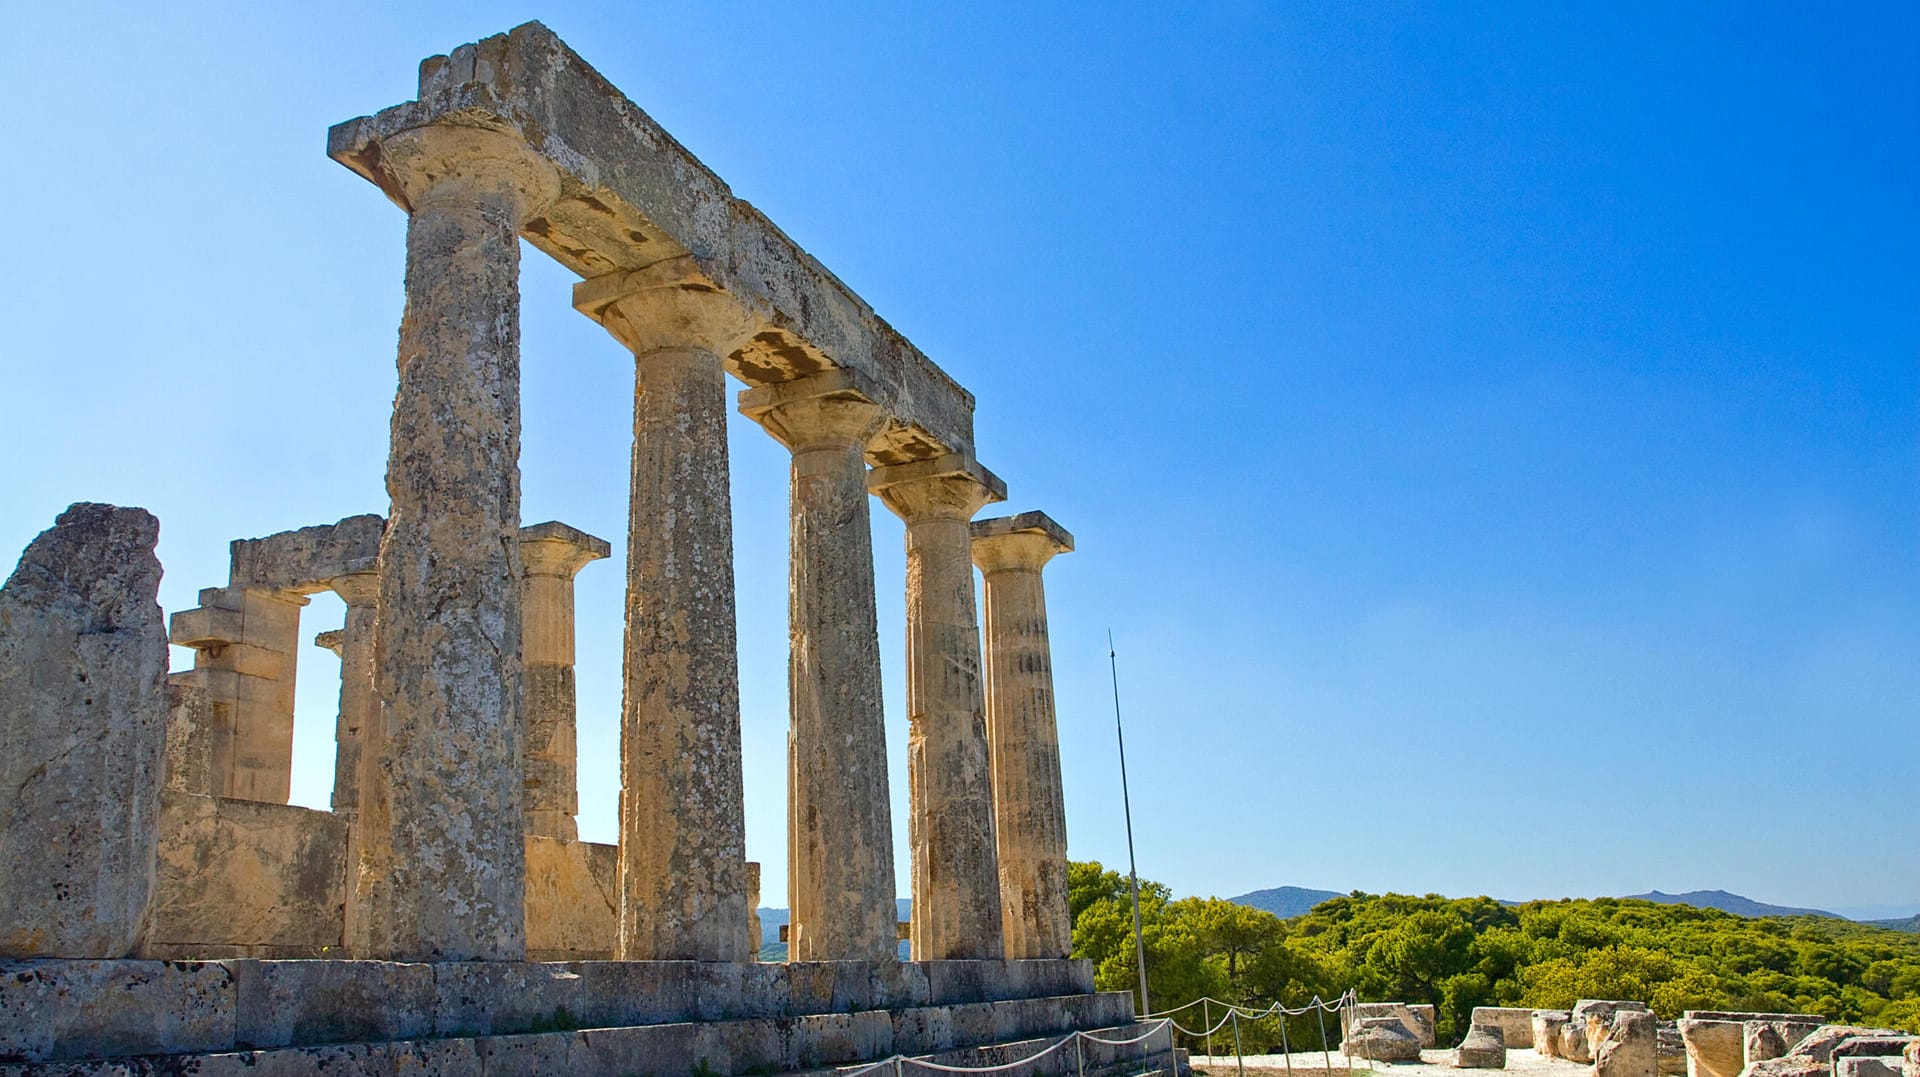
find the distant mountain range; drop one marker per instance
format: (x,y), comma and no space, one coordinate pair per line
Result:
(1725,902)
(1286,902)
(1290,901)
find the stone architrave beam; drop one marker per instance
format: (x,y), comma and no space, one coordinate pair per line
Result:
(553,554)
(682,816)
(630,197)
(1030,814)
(83,712)
(956,877)
(447,663)
(308,559)
(840,836)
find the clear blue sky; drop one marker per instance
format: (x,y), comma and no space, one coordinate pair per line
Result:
(1491,433)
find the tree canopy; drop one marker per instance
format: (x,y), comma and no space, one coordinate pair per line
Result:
(1458,953)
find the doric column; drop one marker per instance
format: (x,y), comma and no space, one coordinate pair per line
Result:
(682,819)
(447,665)
(1030,815)
(246,642)
(361,592)
(840,854)
(551,555)
(956,882)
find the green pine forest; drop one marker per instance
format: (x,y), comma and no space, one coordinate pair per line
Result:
(1458,953)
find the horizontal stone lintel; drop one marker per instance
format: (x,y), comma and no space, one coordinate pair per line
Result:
(64,1009)
(632,196)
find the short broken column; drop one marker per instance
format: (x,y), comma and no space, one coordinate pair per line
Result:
(1030,809)
(358,705)
(840,856)
(956,874)
(83,716)
(682,815)
(246,642)
(447,666)
(552,555)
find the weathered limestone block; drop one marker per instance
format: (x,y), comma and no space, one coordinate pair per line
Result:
(1485,1048)
(83,712)
(283,1003)
(1380,1039)
(1787,1067)
(1631,1046)
(1672,1050)
(447,653)
(1546,1031)
(1716,1039)
(1867,1066)
(1418,1020)
(1595,1016)
(246,643)
(1515,1023)
(956,872)
(552,555)
(189,751)
(53,1010)
(1821,1042)
(304,560)
(243,878)
(1875,1046)
(572,903)
(840,854)
(1910,1061)
(1770,1036)
(1573,1043)
(1029,801)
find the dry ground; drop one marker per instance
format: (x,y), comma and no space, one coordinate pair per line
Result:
(1521,1062)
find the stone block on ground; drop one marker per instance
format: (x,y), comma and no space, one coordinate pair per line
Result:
(1879,1046)
(1820,1043)
(1715,1048)
(1910,1061)
(1787,1067)
(1381,1039)
(1771,1037)
(54,1009)
(1417,1019)
(1631,1046)
(1546,1031)
(1573,1042)
(1671,1050)
(1515,1023)
(83,716)
(1867,1066)
(1485,1048)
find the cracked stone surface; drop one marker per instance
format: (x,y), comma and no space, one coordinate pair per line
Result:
(83,715)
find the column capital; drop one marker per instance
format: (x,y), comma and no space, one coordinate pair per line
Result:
(554,549)
(1022,542)
(832,409)
(360,588)
(333,640)
(449,162)
(668,305)
(953,486)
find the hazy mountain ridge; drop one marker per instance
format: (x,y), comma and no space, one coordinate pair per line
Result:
(1725,902)
(1286,902)
(1290,901)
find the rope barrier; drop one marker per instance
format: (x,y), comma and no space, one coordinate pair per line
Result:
(898,1062)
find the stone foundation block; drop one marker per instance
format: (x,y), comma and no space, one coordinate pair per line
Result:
(1546,1031)
(1515,1024)
(475,998)
(56,1009)
(281,1003)
(1630,1048)
(1866,1066)
(1485,1048)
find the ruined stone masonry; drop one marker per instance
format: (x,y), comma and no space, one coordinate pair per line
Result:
(444,916)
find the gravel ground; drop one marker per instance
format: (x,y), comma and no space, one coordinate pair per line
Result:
(1521,1062)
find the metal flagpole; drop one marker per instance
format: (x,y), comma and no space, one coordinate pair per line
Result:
(1126,805)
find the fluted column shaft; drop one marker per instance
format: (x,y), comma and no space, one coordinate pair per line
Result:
(551,554)
(956,883)
(447,664)
(841,854)
(1029,802)
(683,885)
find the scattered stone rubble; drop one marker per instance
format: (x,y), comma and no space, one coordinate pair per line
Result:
(1627,1040)
(444,916)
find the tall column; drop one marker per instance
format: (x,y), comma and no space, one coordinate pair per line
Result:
(551,554)
(840,852)
(246,643)
(447,660)
(361,592)
(956,880)
(682,817)
(1030,814)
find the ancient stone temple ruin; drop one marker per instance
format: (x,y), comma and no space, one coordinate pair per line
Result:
(166,910)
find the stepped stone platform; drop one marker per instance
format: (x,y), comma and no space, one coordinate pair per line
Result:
(590,1017)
